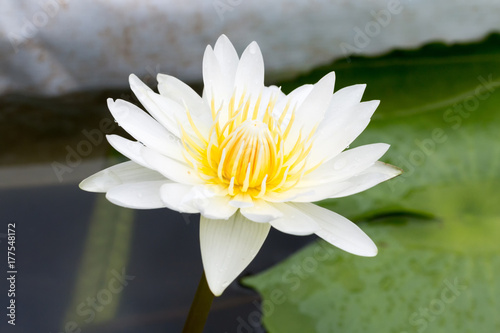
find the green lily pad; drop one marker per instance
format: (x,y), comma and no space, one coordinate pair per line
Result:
(437,225)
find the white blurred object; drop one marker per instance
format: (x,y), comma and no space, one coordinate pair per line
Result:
(57,46)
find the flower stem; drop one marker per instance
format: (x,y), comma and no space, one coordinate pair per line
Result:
(198,313)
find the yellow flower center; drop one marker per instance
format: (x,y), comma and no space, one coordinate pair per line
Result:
(245,153)
(248,155)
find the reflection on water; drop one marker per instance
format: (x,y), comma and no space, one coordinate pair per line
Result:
(83,262)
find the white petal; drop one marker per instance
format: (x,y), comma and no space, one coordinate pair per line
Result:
(312,110)
(170,168)
(175,116)
(261,211)
(250,72)
(162,113)
(216,85)
(339,231)
(293,221)
(181,93)
(217,207)
(227,247)
(293,99)
(127,172)
(377,173)
(374,175)
(145,129)
(343,99)
(130,149)
(227,57)
(268,94)
(143,195)
(241,201)
(197,199)
(336,133)
(178,197)
(347,164)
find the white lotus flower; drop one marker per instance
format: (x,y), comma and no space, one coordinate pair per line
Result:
(245,156)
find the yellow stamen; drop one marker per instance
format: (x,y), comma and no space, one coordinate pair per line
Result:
(244,151)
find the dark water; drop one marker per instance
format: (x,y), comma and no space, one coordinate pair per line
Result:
(83,264)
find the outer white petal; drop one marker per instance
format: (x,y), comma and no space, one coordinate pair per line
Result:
(227,57)
(345,165)
(174,115)
(344,99)
(178,197)
(219,71)
(145,129)
(339,231)
(227,247)
(127,172)
(261,211)
(336,133)
(306,194)
(178,91)
(170,168)
(376,174)
(143,195)
(217,87)
(162,113)
(293,220)
(250,72)
(130,149)
(313,108)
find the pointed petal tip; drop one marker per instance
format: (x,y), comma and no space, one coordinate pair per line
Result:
(87,185)
(399,171)
(223,39)
(253,48)
(228,247)
(330,76)
(216,287)
(369,251)
(160,77)
(92,184)
(367,248)
(133,80)
(207,49)
(110,102)
(392,170)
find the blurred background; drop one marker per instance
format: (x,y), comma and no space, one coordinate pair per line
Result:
(85,265)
